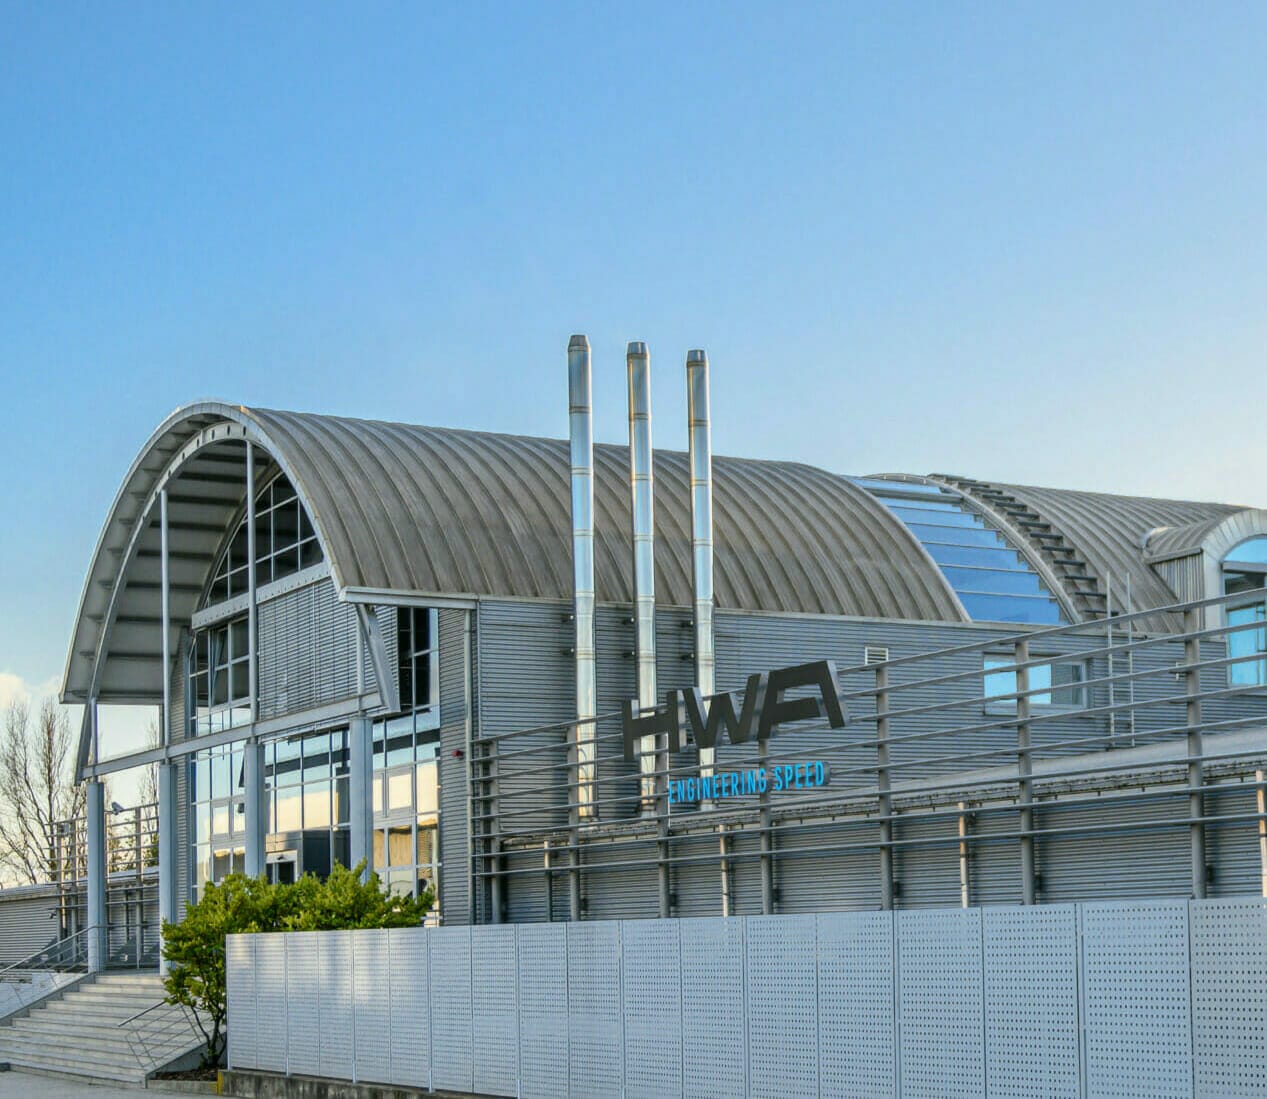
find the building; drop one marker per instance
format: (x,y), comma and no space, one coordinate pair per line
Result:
(412,645)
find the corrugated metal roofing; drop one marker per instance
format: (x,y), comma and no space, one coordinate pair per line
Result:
(1109,532)
(403,508)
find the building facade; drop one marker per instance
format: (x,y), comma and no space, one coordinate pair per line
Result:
(412,646)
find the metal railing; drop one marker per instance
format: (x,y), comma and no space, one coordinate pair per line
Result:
(1012,730)
(67,955)
(161,1033)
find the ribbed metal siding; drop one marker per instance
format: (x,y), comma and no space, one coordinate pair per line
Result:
(1184,576)
(455,702)
(307,650)
(28,922)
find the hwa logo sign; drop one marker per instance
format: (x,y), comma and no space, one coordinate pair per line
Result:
(762,709)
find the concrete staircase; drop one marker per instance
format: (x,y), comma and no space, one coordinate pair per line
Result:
(79,1034)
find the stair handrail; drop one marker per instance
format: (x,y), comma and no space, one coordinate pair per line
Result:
(145,1058)
(31,961)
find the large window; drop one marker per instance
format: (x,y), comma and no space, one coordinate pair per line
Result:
(1245,569)
(993,580)
(218,809)
(219,678)
(285,542)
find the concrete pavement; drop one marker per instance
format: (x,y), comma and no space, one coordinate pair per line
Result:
(22,1085)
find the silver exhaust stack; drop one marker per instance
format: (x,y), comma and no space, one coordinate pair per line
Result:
(581,434)
(700,457)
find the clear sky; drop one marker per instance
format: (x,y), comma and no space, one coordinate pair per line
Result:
(1026,242)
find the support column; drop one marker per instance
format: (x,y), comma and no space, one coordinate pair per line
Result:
(1196,768)
(360,792)
(883,797)
(1025,769)
(95,810)
(168,906)
(256,807)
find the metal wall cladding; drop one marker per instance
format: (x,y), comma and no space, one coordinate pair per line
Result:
(1229,974)
(28,922)
(455,709)
(307,650)
(1136,999)
(940,1003)
(495,1013)
(782,977)
(1031,1001)
(1166,998)
(652,999)
(452,1065)
(595,1049)
(1233,850)
(543,1010)
(409,988)
(239,999)
(303,1020)
(857,1029)
(371,1009)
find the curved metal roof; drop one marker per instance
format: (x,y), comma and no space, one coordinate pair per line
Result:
(1215,535)
(1109,532)
(437,511)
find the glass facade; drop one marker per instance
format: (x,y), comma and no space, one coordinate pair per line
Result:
(1060,684)
(988,573)
(1245,569)
(308,783)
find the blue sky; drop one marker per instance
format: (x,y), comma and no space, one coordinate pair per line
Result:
(1015,241)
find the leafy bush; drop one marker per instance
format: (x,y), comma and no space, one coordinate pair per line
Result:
(238,904)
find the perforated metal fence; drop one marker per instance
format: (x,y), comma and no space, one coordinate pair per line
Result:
(1158,998)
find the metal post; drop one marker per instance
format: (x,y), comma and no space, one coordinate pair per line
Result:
(1108,642)
(251,617)
(95,810)
(360,792)
(653,762)
(965,880)
(1261,798)
(168,902)
(1024,770)
(1196,770)
(256,807)
(701,472)
(882,784)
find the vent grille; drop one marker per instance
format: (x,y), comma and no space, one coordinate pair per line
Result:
(875,654)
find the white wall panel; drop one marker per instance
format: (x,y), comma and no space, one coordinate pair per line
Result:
(270,1002)
(1031,1001)
(495,1012)
(409,982)
(334,954)
(303,1020)
(595,1051)
(371,1017)
(651,956)
(239,957)
(1136,999)
(713,1031)
(857,1040)
(782,979)
(543,1010)
(940,1003)
(1229,997)
(450,960)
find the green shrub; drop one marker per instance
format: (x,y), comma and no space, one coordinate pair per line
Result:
(238,904)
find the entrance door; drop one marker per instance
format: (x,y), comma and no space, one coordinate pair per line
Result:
(283,867)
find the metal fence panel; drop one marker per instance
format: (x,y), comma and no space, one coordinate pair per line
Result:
(940,1003)
(334,958)
(270,1002)
(239,999)
(450,959)
(1136,999)
(409,985)
(543,1011)
(371,1019)
(1031,1001)
(857,1040)
(303,1021)
(595,1050)
(651,980)
(713,1032)
(495,1012)
(782,978)
(1229,996)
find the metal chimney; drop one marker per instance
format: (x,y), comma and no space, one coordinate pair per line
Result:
(641,486)
(700,457)
(581,434)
